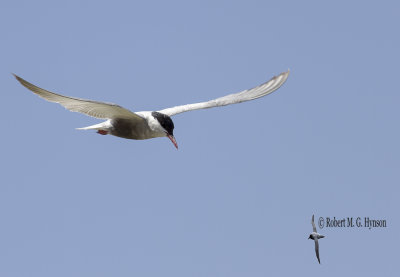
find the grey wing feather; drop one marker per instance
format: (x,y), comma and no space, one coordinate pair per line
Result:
(317,249)
(245,95)
(89,107)
(313,224)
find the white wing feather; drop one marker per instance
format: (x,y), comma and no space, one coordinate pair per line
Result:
(246,95)
(317,249)
(89,107)
(313,224)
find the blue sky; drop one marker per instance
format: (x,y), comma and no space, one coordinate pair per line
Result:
(236,199)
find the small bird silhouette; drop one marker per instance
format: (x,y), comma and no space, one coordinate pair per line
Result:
(315,236)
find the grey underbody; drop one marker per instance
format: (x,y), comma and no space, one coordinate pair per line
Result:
(132,129)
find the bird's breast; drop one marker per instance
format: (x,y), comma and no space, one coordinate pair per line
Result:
(132,129)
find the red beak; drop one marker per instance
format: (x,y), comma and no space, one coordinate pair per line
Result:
(172,138)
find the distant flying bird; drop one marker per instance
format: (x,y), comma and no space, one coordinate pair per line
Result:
(315,236)
(147,124)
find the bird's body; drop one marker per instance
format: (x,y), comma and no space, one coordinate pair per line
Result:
(128,129)
(123,123)
(144,128)
(315,236)
(148,125)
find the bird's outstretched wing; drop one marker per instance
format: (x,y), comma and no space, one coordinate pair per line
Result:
(313,224)
(246,95)
(317,249)
(89,107)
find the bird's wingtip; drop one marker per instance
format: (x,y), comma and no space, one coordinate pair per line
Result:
(16,77)
(285,73)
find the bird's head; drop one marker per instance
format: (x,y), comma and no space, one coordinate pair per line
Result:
(167,125)
(310,237)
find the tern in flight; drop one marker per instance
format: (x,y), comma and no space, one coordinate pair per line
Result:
(123,123)
(315,236)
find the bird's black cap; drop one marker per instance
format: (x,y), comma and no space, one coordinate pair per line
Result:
(165,121)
